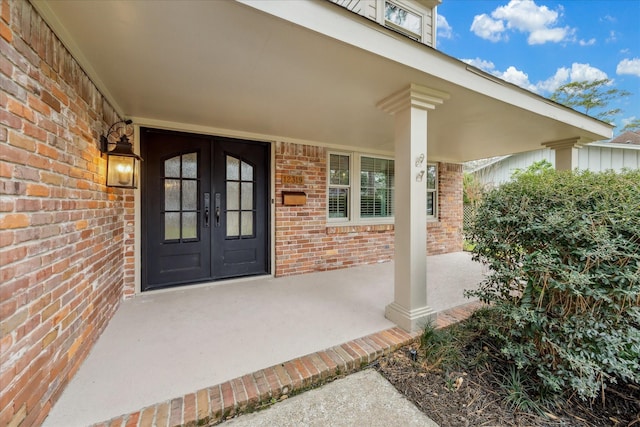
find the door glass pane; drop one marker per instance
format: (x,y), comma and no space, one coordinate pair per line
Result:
(190,165)
(172,167)
(189,225)
(189,195)
(247,195)
(171,225)
(247,223)
(233,188)
(233,168)
(233,224)
(171,194)
(247,172)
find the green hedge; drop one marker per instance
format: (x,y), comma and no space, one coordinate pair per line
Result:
(564,254)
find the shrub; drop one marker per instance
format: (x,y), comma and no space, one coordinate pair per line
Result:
(564,254)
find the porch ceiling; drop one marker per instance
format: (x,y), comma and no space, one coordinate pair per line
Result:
(233,67)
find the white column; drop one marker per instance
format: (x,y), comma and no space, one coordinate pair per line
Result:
(566,152)
(409,310)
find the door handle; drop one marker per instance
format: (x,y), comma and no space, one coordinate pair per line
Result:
(207,202)
(217,209)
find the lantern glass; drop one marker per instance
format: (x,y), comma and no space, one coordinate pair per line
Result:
(122,171)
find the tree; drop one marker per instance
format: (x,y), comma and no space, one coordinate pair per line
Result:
(633,125)
(590,97)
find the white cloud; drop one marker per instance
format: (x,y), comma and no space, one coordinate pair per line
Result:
(577,72)
(444,29)
(629,66)
(544,35)
(554,82)
(480,63)
(580,72)
(524,16)
(563,75)
(485,27)
(589,42)
(517,77)
(613,37)
(608,18)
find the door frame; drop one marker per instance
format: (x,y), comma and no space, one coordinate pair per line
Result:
(136,233)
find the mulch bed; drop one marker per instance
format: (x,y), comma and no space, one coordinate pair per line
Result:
(473,398)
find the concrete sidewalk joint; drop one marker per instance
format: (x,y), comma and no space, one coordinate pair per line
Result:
(212,405)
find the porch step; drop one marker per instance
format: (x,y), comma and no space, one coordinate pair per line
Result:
(260,389)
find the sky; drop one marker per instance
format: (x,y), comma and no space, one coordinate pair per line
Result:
(542,44)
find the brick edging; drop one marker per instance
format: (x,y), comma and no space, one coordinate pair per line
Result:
(262,388)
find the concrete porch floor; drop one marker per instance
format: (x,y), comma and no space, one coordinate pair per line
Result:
(166,344)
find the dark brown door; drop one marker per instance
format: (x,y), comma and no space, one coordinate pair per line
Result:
(205,208)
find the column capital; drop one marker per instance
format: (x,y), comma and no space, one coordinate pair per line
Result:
(413,95)
(575,142)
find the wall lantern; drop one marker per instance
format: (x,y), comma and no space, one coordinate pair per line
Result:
(122,163)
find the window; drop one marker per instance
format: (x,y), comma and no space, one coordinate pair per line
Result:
(376,187)
(432,190)
(369,199)
(339,185)
(402,19)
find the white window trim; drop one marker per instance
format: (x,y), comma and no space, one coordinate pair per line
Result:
(350,211)
(355,160)
(380,12)
(434,217)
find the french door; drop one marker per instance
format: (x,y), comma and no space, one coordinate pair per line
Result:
(205,211)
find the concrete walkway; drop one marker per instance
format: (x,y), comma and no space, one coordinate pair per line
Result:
(167,344)
(361,399)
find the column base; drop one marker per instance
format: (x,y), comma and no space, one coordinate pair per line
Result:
(410,320)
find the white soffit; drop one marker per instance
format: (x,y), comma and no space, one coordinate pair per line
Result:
(295,70)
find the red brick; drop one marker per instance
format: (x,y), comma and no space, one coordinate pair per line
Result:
(251,390)
(216,403)
(189,410)
(314,373)
(274,383)
(239,393)
(228,400)
(262,385)
(286,382)
(132,420)
(296,377)
(328,361)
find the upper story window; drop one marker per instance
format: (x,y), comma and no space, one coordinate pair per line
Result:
(402,19)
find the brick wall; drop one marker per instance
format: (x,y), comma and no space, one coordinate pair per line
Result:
(445,234)
(62,232)
(304,242)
